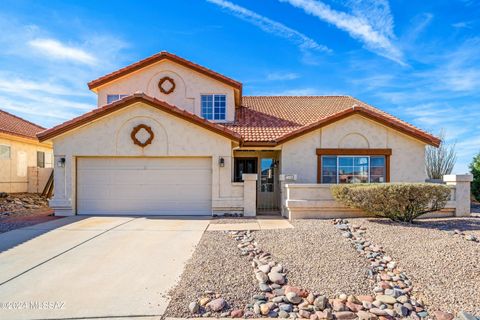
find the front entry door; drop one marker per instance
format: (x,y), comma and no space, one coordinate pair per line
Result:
(267,199)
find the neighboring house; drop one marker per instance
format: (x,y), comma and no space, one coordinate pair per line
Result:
(172,137)
(19,151)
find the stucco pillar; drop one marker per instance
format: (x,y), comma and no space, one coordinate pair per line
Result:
(249,194)
(61,205)
(285,179)
(462,192)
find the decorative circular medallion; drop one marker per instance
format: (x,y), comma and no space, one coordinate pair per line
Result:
(166,85)
(142,135)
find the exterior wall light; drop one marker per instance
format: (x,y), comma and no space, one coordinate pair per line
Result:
(221,162)
(61,163)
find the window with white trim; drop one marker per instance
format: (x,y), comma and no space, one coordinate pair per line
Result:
(214,106)
(114,97)
(353,169)
(5,152)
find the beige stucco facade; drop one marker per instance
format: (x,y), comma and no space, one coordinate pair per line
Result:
(407,163)
(23,154)
(174,137)
(189,86)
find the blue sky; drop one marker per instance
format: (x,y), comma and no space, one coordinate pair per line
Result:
(418,60)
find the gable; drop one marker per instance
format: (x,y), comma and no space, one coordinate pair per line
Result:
(112,135)
(107,110)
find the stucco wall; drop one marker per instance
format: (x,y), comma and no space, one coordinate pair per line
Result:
(23,154)
(407,163)
(110,136)
(189,86)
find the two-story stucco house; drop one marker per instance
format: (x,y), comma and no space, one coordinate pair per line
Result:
(170,137)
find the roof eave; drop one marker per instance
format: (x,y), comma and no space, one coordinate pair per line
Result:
(161,105)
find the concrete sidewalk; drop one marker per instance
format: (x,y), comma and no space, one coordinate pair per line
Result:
(99,267)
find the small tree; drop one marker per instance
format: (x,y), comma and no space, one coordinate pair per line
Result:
(475,170)
(440,161)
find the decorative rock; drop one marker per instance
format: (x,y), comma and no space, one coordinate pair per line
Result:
(440,315)
(320,302)
(422,314)
(310,298)
(353,306)
(206,314)
(325,314)
(286,307)
(265,268)
(386,299)
(401,310)
(193,307)
(338,305)
(283,314)
(203,301)
(237,313)
(265,287)
(293,297)
(299,291)
(273,314)
(216,305)
(304,314)
(462,315)
(470,237)
(402,299)
(276,278)
(265,308)
(261,277)
(342,297)
(278,268)
(364,315)
(378,312)
(345,315)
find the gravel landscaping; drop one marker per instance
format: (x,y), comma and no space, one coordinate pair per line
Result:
(215,266)
(317,257)
(445,267)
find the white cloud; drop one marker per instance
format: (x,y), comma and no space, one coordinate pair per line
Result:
(301,40)
(58,50)
(370,22)
(281,76)
(9,83)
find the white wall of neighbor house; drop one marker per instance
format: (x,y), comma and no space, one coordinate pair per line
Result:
(23,154)
(174,137)
(189,86)
(407,163)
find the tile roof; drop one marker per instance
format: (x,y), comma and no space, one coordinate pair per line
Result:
(274,119)
(263,120)
(137,97)
(14,125)
(156,58)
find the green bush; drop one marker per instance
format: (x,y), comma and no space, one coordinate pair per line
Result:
(475,170)
(397,201)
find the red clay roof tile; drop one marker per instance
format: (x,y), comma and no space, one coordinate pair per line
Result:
(14,125)
(273,119)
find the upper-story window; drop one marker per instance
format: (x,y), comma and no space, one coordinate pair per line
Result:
(114,97)
(214,106)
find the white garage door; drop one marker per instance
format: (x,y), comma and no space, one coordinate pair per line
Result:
(144,186)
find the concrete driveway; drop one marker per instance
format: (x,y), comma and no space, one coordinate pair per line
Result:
(94,267)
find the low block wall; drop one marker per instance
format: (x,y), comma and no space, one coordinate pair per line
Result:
(37,179)
(303,201)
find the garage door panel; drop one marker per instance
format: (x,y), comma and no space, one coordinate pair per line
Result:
(143,186)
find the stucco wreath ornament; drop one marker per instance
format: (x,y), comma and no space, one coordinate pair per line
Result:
(146,141)
(166,85)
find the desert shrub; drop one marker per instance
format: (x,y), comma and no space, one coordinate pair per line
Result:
(397,201)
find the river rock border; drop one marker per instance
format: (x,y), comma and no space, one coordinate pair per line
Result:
(392,297)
